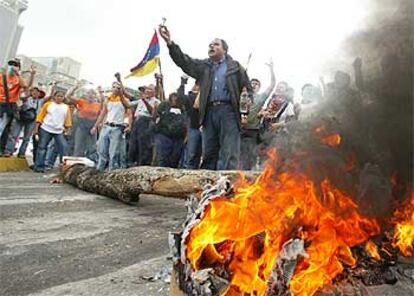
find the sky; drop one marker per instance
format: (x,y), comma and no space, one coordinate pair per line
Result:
(108,36)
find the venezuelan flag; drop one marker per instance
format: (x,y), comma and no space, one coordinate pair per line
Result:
(150,60)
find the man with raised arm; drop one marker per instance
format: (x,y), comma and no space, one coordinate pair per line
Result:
(222,80)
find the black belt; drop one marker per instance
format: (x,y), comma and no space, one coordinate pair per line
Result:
(219,103)
(111,124)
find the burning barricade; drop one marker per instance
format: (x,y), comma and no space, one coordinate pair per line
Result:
(285,234)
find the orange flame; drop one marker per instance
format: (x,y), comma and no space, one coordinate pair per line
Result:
(372,250)
(248,231)
(332,140)
(404,228)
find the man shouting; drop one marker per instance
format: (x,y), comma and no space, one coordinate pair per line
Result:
(221,82)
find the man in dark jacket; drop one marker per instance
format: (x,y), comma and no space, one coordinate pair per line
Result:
(221,82)
(171,129)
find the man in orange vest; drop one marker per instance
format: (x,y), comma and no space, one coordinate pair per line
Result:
(11,85)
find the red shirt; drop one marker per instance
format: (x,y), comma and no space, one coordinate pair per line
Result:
(88,110)
(13,82)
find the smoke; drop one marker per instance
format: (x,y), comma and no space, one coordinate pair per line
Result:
(371,106)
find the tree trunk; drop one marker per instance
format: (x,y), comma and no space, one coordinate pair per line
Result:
(126,185)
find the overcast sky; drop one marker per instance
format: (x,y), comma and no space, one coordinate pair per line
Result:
(112,35)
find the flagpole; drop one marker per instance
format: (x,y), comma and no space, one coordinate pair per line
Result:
(248,61)
(161,81)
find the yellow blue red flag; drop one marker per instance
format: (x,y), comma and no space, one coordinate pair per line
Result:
(150,61)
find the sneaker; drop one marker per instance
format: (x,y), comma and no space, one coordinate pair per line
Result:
(6,155)
(38,170)
(21,156)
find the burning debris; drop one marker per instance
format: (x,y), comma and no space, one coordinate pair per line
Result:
(282,234)
(404,228)
(286,262)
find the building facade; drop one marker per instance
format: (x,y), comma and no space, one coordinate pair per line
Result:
(64,70)
(10,30)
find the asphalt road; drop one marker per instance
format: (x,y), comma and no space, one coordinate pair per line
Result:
(58,240)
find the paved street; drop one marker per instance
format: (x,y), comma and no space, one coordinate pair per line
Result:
(58,240)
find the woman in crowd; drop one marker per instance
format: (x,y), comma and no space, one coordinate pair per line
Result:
(51,123)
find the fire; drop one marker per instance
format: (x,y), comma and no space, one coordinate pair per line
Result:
(327,138)
(372,250)
(246,233)
(332,140)
(404,228)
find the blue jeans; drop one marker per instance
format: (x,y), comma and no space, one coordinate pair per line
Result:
(169,150)
(51,155)
(121,155)
(108,146)
(16,128)
(4,120)
(44,139)
(221,138)
(194,149)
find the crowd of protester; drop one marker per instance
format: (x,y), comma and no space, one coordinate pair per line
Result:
(223,122)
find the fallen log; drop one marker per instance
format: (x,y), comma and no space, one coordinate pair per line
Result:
(126,185)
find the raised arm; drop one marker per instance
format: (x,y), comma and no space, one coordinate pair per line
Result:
(192,67)
(124,91)
(359,79)
(70,93)
(125,101)
(272,85)
(245,81)
(25,85)
(323,85)
(182,97)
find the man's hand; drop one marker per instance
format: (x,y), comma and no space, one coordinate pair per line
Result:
(184,79)
(127,129)
(276,126)
(243,120)
(35,131)
(32,70)
(93,130)
(263,113)
(165,34)
(158,76)
(118,76)
(357,64)
(270,63)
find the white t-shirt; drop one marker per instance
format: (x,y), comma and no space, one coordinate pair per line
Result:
(53,117)
(142,108)
(116,110)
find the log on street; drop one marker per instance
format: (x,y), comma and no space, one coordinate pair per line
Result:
(126,185)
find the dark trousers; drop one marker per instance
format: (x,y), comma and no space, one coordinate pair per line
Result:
(35,147)
(141,142)
(169,150)
(221,138)
(249,149)
(194,149)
